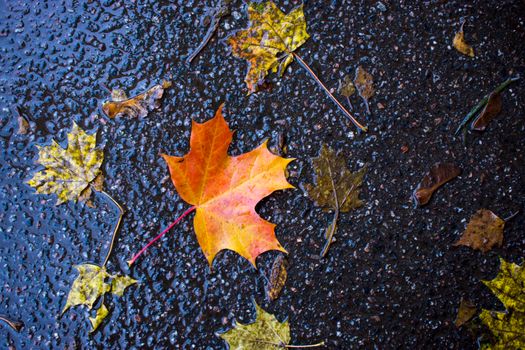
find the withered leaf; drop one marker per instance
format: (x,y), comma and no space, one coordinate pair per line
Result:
(346,86)
(484,231)
(491,110)
(439,174)
(336,188)
(466,311)
(134,107)
(364,82)
(278,277)
(461,45)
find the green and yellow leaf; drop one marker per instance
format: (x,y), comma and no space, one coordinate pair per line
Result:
(271,32)
(508,327)
(92,283)
(102,312)
(88,286)
(266,333)
(68,172)
(120,283)
(336,186)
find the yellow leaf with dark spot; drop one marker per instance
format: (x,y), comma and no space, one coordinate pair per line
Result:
(68,171)
(508,327)
(266,333)
(88,286)
(271,32)
(102,312)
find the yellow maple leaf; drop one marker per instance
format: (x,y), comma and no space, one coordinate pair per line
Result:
(508,327)
(68,172)
(271,32)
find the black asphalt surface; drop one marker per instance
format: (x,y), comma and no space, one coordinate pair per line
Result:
(392,279)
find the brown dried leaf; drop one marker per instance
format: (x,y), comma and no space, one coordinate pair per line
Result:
(484,230)
(466,311)
(492,109)
(134,107)
(364,82)
(346,86)
(278,277)
(439,174)
(461,45)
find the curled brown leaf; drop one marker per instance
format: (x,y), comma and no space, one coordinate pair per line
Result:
(484,231)
(439,174)
(134,107)
(278,276)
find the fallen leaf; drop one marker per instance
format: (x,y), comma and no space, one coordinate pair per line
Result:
(91,284)
(346,86)
(120,283)
(364,82)
(336,187)
(482,103)
(466,311)
(278,277)
(439,174)
(461,45)
(484,231)
(102,312)
(88,286)
(265,333)
(68,172)
(134,107)
(270,33)
(508,327)
(225,190)
(491,110)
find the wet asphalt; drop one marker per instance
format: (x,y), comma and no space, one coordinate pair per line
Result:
(392,278)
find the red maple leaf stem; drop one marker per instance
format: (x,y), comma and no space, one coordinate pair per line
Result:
(179,219)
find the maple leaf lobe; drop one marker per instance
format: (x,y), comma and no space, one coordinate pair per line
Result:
(226,189)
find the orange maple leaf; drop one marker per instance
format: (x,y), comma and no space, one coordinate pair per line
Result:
(225,190)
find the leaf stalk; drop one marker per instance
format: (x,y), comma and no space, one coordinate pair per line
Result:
(332,97)
(179,219)
(117,226)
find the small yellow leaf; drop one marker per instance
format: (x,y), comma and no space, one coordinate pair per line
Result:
(461,45)
(68,171)
(266,333)
(120,283)
(102,312)
(88,286)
